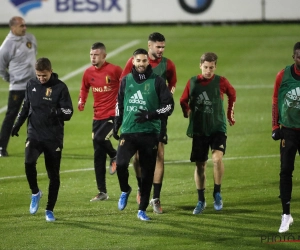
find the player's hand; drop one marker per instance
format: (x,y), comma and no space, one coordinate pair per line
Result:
(186,114)
(163,137)
(143,116)
(53,112)
(230,117)
(15,130)
(80,105)
(116,127)
(115,135)
(277,134)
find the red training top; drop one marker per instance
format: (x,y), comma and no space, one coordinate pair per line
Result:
(104,82)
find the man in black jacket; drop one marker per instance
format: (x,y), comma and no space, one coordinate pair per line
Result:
(47,104)
(143,101)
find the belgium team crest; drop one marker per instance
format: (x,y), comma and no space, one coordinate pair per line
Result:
(48,92)
(107,79)
(29,45)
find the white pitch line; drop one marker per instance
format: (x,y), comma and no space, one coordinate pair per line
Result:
(167,162)
(3,109)
(81,69)
(263,86)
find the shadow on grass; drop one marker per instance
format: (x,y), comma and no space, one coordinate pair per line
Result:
(230,211)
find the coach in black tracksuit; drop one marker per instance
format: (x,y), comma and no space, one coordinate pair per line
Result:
(143,100)
(47,105)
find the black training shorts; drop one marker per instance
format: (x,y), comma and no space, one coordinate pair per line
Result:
(201,145)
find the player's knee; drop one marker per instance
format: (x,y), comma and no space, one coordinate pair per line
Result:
(200,166)
(135,161)
(160,156)
(286,172)
(122,166)
(217,158)
(29,165)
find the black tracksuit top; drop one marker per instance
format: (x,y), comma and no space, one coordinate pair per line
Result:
(46,106)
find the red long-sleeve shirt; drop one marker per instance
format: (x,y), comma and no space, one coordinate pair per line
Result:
(225,88)
(104,82)
(171,71)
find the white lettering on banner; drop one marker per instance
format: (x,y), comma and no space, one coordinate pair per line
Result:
(87,5)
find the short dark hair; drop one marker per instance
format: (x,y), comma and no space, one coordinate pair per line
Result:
(140,51)
(14,20)
(42,64)
(209,57)
(156,37)
(296,47)
(98,45)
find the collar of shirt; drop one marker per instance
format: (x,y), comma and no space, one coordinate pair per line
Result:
(154,62)
(296,70)
(204,81)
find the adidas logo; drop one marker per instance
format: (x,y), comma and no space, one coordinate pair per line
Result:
(137,98)
(58,149)
(34,89)
(203,98)
(293,95)
(221,146)
(66,111)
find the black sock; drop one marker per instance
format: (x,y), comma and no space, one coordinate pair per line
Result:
(285,206)
(217,189)
(201,194)
(156,190)
(139,181)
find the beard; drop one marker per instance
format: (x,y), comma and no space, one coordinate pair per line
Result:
(156,56)
(140,69)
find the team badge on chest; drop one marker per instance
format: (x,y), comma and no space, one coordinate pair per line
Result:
(29,45)
(48,92)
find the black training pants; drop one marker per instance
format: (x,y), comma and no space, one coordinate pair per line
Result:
(52,154)
(147,145)
(289,146)
(102,131)
(15,100)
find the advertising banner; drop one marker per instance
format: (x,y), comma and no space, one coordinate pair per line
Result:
(278,10)
(65,11)
(157,11)
(73,12)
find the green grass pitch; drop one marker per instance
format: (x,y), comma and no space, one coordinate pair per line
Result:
(249,57)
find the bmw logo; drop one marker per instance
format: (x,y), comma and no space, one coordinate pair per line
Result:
(197,7)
